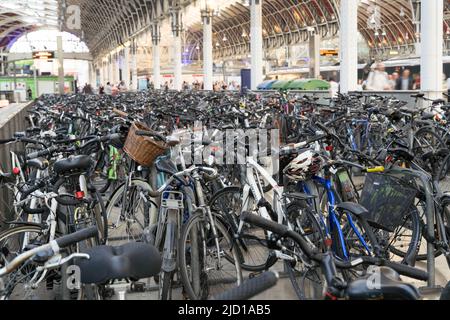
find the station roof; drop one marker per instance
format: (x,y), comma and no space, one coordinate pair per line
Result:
(106,24)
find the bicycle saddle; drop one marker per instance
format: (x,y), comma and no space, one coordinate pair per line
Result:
(130,261)
(75,164)
(299,196)
(401,153)
(385,284)
(354,208)
(427,116)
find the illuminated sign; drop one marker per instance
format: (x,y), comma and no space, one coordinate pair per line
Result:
(43,55)
(329,53)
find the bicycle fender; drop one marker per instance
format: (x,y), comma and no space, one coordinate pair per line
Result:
(169,262)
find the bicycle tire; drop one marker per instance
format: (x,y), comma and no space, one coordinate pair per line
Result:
(231,221)
(198,220)
(115,201)
(39,230)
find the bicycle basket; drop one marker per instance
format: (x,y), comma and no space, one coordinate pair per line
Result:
(143,150)
(387,198)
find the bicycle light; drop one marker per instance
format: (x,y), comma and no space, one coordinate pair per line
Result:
(16,171)
(329,148)
(79,195)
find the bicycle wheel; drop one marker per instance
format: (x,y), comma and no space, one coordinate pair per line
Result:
(207,269)
(405,240)
(307,281)
(14,242)
(444,177)
(129,212)
(427,141)
(227,203)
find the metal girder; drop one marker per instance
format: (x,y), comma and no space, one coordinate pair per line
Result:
(107,24)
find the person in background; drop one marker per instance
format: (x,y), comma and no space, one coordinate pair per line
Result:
(101,90)
(405,82)
(122,87)
(416,82)
(87,89)
(448,88)
(115,90)
(393,80)
(359,86)
(29,93)
(378,79)
(108,88)
(334,87)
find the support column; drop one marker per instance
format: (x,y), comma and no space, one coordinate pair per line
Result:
(126,68)
(256,45)
(177,28)
(60,50)
(314,56)
(91,74)
(101,73)
(431,84)
(135,67)
(432,47)
(349,45)
(207,49)
(117,68)
(110,67)
(36,86)
(2,63)
(156,50)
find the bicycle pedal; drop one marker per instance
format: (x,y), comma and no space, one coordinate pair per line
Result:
(271,260)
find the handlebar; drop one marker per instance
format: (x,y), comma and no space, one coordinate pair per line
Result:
(73,238)
(43,153)
(284,231)
(53,246)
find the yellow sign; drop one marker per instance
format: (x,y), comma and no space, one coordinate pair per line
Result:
(43,55)
(329,53)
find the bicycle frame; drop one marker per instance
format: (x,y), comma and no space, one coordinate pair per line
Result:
(253,168)
(333,221)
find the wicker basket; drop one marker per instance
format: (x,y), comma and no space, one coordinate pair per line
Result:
(143,150)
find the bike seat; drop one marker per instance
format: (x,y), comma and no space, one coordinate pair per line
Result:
(385,284)
(427,116)
(354,208)
(402,153)
(38,163)
(299,196)
(409,111)
(130,261)
(75,164)
(438,102)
